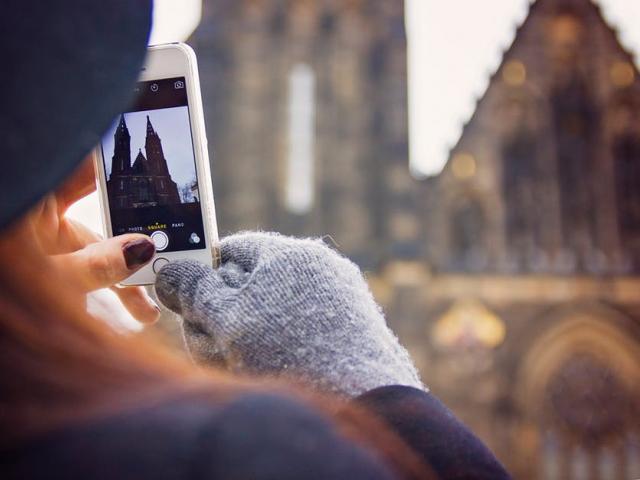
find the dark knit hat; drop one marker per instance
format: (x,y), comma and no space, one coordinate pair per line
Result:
(68,68)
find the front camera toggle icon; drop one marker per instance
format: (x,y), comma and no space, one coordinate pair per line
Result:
(194,238)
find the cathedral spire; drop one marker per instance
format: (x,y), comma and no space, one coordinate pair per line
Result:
(121,160)
(155,155)
(150,130)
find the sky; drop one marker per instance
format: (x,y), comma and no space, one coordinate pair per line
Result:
(172,126)
(454,47)
(174,20)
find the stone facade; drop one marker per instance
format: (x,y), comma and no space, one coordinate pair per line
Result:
(513,275)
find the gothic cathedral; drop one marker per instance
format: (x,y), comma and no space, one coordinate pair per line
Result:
(145,183)
(513,276)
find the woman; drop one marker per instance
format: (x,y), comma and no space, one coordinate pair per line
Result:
(80,401)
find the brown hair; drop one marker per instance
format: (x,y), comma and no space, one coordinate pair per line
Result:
(59,365)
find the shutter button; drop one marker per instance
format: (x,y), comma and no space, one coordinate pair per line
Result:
(160,239)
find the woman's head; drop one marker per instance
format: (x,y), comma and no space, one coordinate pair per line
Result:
(68,71)
(71,68)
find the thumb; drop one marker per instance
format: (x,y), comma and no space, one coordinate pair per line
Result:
(105,263)
(184,284)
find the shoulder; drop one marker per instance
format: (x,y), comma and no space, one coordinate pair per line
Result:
(257,436)
(283,439)
(434,432)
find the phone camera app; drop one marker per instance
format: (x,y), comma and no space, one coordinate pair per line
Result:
(151,174)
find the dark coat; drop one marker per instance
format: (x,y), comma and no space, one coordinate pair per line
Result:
(255,437)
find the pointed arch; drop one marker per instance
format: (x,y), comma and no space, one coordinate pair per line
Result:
(592,330)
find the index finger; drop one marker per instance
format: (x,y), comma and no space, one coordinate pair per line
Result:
(108,262)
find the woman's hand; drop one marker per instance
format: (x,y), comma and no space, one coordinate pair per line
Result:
(96,262)
(286,307)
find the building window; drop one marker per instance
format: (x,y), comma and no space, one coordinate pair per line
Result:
(519,178)
(300,169)
(467,237)
(144,192)
(626,153)
(576,121)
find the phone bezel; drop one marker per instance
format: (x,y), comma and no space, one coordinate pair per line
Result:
(167,61)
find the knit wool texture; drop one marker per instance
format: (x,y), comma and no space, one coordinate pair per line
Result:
(286,307)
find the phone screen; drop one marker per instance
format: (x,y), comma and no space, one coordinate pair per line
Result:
(150,167)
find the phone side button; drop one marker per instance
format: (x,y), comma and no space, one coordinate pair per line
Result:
(159,263)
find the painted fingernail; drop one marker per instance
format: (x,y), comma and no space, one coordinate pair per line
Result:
(138,252)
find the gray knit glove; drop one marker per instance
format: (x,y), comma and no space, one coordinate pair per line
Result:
(286,307)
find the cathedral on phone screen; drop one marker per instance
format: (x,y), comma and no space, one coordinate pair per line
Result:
(149,163)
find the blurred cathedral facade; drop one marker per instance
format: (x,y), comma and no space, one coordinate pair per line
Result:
(513,276)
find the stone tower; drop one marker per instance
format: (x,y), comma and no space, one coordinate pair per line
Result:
(346,63)
(121,160)
(155,154)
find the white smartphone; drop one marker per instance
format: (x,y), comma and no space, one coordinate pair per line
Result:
(153,166)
